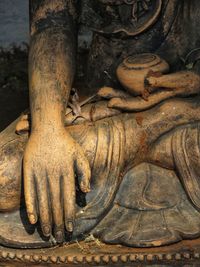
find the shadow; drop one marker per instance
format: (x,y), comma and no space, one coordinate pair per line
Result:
(80,196)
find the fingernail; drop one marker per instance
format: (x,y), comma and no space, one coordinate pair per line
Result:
(59,236)
(32,219)
(70,226)
(46,230)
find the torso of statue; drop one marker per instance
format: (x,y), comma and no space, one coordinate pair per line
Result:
(122,28)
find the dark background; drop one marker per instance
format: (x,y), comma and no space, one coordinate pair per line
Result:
(14,34)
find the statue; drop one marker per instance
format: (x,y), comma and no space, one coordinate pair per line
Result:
(121,166)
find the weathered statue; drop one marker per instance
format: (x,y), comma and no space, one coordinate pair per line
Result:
(124,164)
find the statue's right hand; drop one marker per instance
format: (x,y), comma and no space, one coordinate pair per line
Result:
(51,161)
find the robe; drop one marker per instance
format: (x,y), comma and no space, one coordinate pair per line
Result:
(173,35)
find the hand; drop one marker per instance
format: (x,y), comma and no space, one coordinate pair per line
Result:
(126,102)
(51,160)
(177,84)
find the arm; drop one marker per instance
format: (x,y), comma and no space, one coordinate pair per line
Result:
(51,62)
(52,157)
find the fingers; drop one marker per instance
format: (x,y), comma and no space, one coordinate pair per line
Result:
(134,104)
(83,172)
(131,104)
(56,197)
(30,193)
(109,92)
(43,204)
(69,192)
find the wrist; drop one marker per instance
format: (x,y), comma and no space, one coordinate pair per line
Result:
(46,127)
(47,121)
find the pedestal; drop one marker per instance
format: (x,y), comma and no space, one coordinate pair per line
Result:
(97,254)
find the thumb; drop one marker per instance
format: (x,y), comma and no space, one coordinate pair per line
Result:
(109,93)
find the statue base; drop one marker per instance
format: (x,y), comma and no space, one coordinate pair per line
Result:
(95,253)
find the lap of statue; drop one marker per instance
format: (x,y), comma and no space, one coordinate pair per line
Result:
(150,199)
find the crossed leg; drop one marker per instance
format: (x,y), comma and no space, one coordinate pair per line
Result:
(154,126)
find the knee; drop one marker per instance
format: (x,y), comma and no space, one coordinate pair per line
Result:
(10,193)
(10,177)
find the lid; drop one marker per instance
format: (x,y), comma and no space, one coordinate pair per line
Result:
(141,61)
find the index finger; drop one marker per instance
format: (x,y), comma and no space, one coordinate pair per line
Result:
(30,194)
(109,93)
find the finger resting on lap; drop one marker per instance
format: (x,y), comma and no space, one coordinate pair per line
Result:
(56,197)
(44,205)
(118,103)
(131,104)
(106,92)
(69,197)
(30,195)
(109,93)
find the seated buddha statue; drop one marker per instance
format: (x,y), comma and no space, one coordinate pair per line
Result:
(134,163)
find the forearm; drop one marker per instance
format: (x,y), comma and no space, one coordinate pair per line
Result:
(182,83)
(51,65)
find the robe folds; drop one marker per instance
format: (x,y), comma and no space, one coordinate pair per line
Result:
(146,205)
